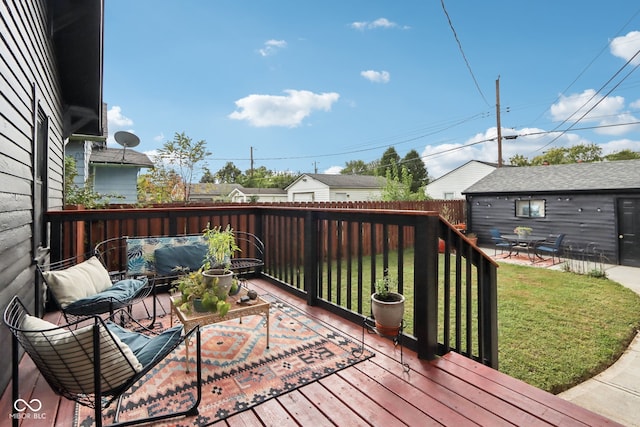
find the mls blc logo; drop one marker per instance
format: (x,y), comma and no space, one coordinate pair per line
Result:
(34,406)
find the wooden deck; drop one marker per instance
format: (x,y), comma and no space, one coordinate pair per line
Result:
(452,390)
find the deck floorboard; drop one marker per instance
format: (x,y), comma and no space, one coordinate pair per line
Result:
(450,391)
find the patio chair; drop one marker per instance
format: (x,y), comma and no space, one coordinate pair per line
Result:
(81,287)
(64,355)
(499,242)
(553,248)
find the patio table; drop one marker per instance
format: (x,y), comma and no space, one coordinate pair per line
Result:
(528,242)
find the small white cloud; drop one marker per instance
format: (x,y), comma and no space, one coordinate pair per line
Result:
(383,23)
(116,119)
(376,76)
(271,47)
(159,138)
(333,170)
(626,47)
(378,23)
(277,110)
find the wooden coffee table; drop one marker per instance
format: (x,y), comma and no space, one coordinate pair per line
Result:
(236,311)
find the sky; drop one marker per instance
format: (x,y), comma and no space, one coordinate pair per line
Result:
(305,87)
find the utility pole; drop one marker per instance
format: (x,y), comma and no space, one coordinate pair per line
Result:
(498,122)
(251,168)
(315,167)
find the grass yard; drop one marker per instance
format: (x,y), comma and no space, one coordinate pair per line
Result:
(556,328)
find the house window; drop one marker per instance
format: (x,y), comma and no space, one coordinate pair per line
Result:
(530,208)
(448,196)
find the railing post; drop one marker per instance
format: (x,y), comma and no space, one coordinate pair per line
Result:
(426,286)
(311,257)
(490,318)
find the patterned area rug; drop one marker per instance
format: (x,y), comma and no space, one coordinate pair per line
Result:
(238,371)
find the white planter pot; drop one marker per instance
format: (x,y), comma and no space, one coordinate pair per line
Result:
(388,315)
(223,277)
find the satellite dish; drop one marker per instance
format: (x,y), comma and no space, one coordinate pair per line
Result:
(126,139)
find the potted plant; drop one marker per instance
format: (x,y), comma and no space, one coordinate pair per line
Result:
(523,231)
(473,238)
(221,245)
(387,306)
(196,293)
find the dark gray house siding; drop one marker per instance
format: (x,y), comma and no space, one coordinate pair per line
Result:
(580,200)
(38,109)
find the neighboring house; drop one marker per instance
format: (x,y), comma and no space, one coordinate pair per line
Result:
(595,203)
(267,195)
(451,185)
(209,192)
(110,170)
(51,77)
(335,188)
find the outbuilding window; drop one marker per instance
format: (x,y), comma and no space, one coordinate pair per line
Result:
(530,208)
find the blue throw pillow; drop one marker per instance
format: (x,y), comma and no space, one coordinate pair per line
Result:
(189,257)
(148,348)
(117,296)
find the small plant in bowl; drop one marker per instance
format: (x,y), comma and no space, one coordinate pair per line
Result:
(197,294)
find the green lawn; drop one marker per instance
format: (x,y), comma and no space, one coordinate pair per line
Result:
(555,328)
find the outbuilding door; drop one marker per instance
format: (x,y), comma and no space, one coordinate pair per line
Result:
(629,232)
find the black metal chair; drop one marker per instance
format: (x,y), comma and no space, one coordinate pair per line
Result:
(64,355)
(553,248)
(81,287)
(499,242)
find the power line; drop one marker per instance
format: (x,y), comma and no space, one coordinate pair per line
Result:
(584,70)
(455,35)
(591,98)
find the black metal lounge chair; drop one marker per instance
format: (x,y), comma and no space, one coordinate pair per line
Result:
(81,286)
(64,355)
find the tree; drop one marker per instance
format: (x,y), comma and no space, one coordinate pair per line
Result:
(158,186)
(185,154)
(415,166)
(623,155)
(562,155)
(398,186)
(358,167)
(207,176)
(389,162)
(519,160)
(229,174)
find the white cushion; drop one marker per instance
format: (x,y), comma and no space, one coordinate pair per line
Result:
(80,281)
(69,355)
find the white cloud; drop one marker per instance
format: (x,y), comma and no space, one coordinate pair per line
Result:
(378,23)
(276,110)
(376,76)
(271,47)
(609,112)
(334,170)
(619,145)
(443,158)
(116,119)
(626,47)
(159,138)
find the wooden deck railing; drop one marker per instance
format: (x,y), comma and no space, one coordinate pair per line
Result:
(332,258)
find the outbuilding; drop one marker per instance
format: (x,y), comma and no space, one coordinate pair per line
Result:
(593,204)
